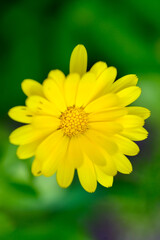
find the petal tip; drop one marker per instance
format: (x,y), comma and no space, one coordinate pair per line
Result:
(78,60)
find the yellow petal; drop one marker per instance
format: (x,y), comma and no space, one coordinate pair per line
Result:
(54,94)
(124,82)
(123,165)
(98,68)
(110,167)
(102,141)
(56,157)
(107,115)
(130,121)
(48,145)
(75,151)
(51,152)
(86,83)
(102,84)
(70,88)
(102,103)
(126,146)
(26,134)
(105,80)
(139,111)
(58,77)
(31,87)
(135,134)
(104,179)
(65,172)
(36,168)
(28,150)
(91,150)
(41,106)
(21,114)
(78,60)
(108,128)
(46,122)
(87,175)
(128,95)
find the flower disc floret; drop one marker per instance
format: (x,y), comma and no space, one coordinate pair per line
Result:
(74,121)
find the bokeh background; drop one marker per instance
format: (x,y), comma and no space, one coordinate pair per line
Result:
(37,36)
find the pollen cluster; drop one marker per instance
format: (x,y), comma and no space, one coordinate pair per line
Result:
(74,121)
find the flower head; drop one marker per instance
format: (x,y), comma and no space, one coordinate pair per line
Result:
(80,122)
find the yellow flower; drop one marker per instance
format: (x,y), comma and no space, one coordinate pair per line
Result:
(81,122)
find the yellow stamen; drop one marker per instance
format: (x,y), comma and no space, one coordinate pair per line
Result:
(74,121)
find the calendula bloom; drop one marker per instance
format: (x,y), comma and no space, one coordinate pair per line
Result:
(80,122)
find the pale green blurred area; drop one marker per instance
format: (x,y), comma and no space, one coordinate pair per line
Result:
(37,36)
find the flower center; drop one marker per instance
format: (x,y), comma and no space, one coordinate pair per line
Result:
(74,121)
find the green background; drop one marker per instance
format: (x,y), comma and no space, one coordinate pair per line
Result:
(37,36)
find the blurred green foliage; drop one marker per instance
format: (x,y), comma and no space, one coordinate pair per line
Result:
(37,36)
